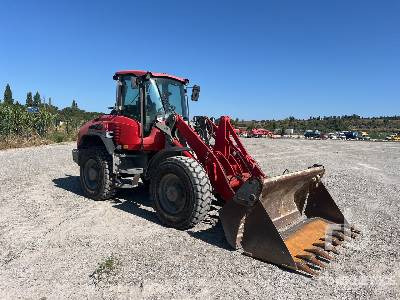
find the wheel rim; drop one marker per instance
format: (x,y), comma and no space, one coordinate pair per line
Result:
(171,194)
(92,174)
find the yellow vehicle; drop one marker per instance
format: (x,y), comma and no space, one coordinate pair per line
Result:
(394,137)
(365,136)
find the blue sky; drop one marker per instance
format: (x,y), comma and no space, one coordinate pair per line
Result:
(252,59)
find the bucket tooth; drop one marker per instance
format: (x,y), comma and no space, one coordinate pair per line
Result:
(312,259)
(335,250)
(317,262)
(355,229)
(326,246)
(347,232)
(319,252)
(334,241)
(340,235)
(303,267)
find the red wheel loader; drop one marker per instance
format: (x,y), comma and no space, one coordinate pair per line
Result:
(289,220)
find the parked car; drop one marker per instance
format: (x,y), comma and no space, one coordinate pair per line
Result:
(312,134)
(332,136)
(351,135)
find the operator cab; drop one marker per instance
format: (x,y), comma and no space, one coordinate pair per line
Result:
(150,97)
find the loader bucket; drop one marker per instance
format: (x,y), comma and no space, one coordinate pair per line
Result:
(294,223)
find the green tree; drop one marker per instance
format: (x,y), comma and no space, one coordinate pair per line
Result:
(74,104)
(36,100)
(44,103)
(8,99)
(29,99)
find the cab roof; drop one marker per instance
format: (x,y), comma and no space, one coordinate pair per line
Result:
(154,74)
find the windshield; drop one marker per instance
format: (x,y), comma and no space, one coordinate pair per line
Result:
(166,96)
(163,97)
(130,98)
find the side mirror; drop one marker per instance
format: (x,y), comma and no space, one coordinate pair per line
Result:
(195,93)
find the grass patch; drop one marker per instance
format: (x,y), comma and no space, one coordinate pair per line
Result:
(105,270)
(61,136)
(16,141)
(21,142)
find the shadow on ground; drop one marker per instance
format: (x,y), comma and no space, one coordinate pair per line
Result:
(69,183)
(213,235)
(137,201)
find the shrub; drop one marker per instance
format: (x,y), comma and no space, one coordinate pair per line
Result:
(15,120)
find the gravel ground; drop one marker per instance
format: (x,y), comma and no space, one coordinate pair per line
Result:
(54,243)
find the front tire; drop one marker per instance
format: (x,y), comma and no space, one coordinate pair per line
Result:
(181,192)
(96,177)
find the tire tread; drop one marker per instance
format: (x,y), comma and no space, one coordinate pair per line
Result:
(202,190)
(108,189)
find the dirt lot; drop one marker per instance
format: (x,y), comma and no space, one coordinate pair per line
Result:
(54,243)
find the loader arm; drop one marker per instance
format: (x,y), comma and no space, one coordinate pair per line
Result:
(227,163)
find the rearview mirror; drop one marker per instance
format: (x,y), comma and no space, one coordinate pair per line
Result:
(195,93)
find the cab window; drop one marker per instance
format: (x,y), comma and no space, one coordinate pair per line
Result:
(131,99)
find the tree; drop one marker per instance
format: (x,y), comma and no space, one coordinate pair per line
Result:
(29,100)
(74,105)
(8,99)
(36,100)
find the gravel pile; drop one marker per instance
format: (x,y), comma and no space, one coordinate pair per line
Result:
(55,243)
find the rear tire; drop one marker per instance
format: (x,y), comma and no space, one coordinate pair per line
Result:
(181,192)
(96,177)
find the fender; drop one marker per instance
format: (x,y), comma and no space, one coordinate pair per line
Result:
(162,155)
(104,136)
(94,137)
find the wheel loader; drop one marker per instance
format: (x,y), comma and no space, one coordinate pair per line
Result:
(289,220)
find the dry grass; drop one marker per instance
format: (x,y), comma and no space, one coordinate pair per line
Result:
(20,142)
(34,140)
